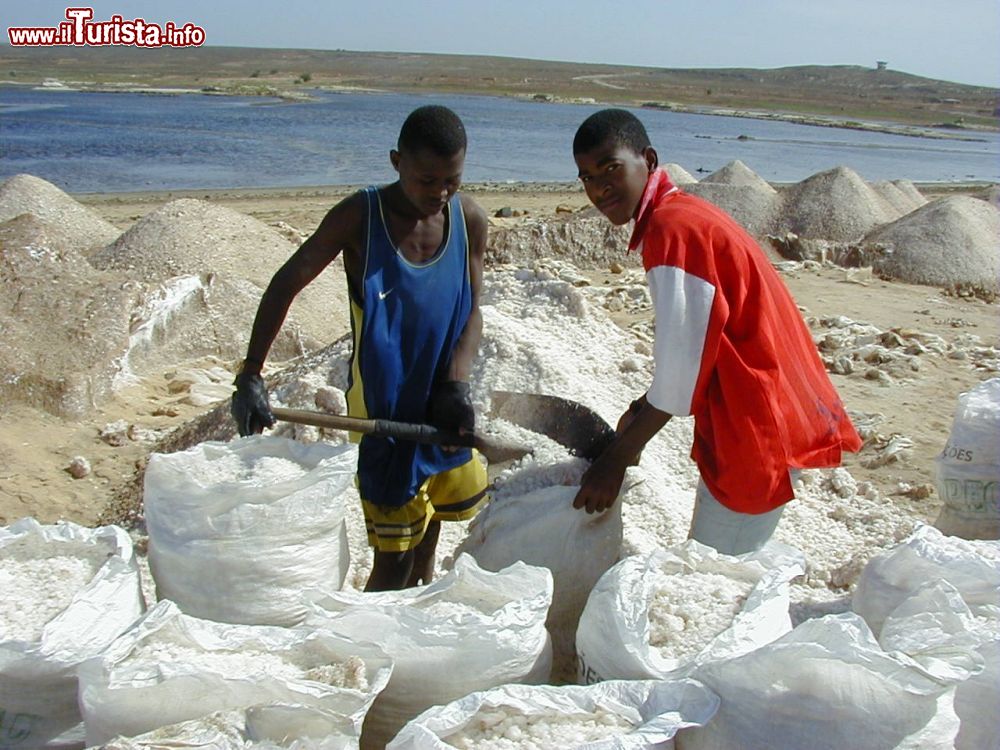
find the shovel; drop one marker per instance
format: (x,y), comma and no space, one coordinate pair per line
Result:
(567,422)
(583,431)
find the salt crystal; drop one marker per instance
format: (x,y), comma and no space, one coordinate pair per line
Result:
(250,662)
(505,728)
(79,467)
(689,609)
(39,580)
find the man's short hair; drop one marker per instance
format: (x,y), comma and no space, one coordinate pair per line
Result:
(619,126)
(434,128)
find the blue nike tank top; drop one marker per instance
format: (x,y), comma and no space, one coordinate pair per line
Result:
(405,330)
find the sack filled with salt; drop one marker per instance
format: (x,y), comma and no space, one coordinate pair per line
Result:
(615,715)
(826,685)
(972,567)
(265,515)
(968,467)
(172,667)
(470,630)
(543,528)
(659,615)
(67,593)
(939,631)
(244,729)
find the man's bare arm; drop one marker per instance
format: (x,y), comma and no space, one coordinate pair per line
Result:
(340,231)
(460,367)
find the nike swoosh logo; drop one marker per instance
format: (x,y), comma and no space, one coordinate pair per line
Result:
(383,295)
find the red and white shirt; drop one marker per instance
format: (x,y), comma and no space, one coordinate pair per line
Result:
(732,350)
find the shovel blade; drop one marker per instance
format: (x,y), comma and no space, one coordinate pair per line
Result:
(581,430)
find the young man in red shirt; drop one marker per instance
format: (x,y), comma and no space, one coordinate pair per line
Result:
(731,349)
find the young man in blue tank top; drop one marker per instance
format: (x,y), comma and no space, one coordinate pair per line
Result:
(413,255)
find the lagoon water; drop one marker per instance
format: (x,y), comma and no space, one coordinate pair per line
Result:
(119,142)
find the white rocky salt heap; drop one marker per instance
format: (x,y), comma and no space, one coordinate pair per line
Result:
(834,205)
(950,241)
(689,609)
(539,337)
(39,580)
(902,195)
(27,194)
(742,194)
(189,237)
(507,729)
(679,175)
(91,310)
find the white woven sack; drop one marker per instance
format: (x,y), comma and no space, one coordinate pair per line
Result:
(470,630)
(613,638)
(968,468)
(656,710)
(38,684)
(826,685)
(238,530)
(972,567)
(543,528)
(937,629)
(240,729)
(124,694)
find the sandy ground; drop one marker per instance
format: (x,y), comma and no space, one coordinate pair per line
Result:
(36,448)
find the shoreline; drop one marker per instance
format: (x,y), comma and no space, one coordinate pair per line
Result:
(933,132)
(490,187)
(304,207)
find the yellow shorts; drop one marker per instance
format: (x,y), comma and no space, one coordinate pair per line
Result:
(453,495)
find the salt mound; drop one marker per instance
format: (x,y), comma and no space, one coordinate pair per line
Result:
(834,205)
(756,209)
(30,230)
(195,237)
(910,191)
(679,175)
(192,236)
(950,241)
(738,173)
(901,195)
(74,334)
(189,317)
(586,239)
(27,194)
(990,194)
(64,323)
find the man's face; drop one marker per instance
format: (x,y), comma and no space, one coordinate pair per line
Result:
(427,179)
(614,177)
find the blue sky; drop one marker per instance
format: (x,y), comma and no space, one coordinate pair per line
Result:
(956,40)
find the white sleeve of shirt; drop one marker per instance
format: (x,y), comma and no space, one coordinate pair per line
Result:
(683,306)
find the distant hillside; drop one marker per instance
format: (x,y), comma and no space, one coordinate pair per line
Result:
(838,91)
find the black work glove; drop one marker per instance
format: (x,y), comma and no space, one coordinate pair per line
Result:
(450,406)
(249,406)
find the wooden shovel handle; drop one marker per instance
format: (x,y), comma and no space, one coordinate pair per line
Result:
(492,448)
(417,433)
